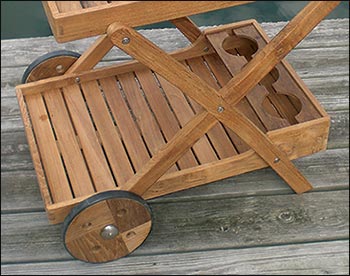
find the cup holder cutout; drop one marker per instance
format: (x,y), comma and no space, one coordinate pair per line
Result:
(240,46)
(272,99)
(287,106)
(276,104)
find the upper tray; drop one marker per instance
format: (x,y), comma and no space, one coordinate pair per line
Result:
(72,20)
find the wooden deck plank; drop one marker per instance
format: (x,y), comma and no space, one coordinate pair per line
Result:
(171,39)
(199,225)
(322,62)
(327,170)
(327,258)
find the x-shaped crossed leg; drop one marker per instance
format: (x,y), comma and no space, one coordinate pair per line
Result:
(219,105)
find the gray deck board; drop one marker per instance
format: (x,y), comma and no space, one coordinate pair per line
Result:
(199,225)
(326,258)
(248,224)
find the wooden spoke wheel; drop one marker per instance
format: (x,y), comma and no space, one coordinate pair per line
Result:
(107,226)
(49,65)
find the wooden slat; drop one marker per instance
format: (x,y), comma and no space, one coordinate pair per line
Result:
(184,113)
(68,6)
(50,156)
(127,127)
(164,115)
(319,258)
(146,122)
(170,153)
(72,156)
(34,152)
(217,135)
(117,157)
(96,161)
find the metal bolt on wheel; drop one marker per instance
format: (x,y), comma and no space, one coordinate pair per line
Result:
(107,226)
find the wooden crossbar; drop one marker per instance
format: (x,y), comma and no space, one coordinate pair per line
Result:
(188,28)
(220,105)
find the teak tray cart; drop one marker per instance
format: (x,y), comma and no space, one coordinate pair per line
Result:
(105,140)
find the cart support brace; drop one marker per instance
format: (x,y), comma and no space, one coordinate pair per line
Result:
(219,107)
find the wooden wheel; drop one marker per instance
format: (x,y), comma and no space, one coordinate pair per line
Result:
(107,226)
(49,65)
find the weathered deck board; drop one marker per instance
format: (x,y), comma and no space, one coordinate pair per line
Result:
(169,39)
(205,230)
(199,225)
(327,170)
(311,259)
(308,63)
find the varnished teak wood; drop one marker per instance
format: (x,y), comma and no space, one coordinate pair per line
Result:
(207,95)
(71,21)
(274,52)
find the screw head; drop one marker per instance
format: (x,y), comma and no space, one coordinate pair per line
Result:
(59,68)
(109,232)
(276,160)
(77,79)
(126,40)
(220,109)
(206,49)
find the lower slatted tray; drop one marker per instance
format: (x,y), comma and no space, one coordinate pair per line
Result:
(95,135)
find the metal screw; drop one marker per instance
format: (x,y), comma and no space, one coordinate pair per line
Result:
(109,232)
(77,79)
(126,40)
(221,109)
(276,160)
(206,49)
(59,68)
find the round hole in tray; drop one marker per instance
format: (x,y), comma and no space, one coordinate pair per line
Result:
(240,45)
(294,102)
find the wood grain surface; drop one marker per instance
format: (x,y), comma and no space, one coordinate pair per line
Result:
(310,234)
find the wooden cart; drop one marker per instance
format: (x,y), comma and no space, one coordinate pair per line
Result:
(105,140)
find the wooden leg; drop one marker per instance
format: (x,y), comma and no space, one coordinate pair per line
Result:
(265,60)
(92,56)
(170,153)
(222,107)
(188,28)
(160,62)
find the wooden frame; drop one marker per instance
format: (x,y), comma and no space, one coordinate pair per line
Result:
(272,148)
(71,21)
